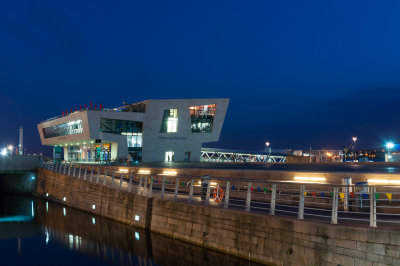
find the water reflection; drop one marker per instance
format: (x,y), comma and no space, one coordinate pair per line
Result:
(68,236)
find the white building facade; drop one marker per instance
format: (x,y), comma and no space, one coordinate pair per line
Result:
(148,131)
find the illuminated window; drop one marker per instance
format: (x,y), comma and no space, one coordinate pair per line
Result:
(70,128)
(135,141)
(169,156)
(169,123)
(202,118)
(122,127)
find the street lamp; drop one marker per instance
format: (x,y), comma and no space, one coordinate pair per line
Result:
(10,147)
(354,148)
(267,144)
(389,145)
(4,152)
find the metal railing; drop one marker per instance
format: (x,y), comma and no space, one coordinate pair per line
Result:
(331,203)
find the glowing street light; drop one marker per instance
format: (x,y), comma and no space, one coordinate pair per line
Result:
(4,152)
(268,150)
(354,148)
(390,145)
(10,147)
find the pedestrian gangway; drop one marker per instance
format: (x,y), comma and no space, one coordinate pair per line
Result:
(232,156)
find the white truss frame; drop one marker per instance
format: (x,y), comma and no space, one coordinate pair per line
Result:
(230,157)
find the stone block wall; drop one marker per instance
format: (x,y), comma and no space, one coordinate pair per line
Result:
(262,238)
(109,202)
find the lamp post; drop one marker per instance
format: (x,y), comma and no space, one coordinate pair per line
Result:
(10,148)
(354,148)
(389,146)
(267,144)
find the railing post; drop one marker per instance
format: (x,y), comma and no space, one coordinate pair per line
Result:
(191,191)
(176,189)
(120,181)
(80,170)
(335,205)
(248,197)
(69,169)
(91,174)
(105,177)
(112,179)
(273,200)
(346,198)
(85,174)
(301,203)
(372,217)
(208,191)
(98,175)
(65,169)
(151,187)
(140,185)
(162,188)
(227,189)
(130,182)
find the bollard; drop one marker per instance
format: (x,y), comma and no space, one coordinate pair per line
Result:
(84,175)
(176,189)
(301,203)
(130,182)
(91,175)
(151,187)
(248,197)
(191,191)
(105,177)
(273,200)
(335,206)
(65,169)
(80,170)
(139,189)
(372,214)
(112,179)
(227,189)
(162,188)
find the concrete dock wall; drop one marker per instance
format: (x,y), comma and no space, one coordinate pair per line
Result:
(22,182)
(262,238)
(17,163)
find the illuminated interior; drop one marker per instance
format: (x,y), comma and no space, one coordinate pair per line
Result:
(169,123)
(202,118)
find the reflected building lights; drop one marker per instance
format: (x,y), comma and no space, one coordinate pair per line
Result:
(47,236)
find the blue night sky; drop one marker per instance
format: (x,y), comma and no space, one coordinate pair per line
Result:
(299,73)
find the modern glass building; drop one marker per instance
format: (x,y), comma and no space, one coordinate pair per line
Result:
(152,130)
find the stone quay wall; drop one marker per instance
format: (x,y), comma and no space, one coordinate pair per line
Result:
(261,238)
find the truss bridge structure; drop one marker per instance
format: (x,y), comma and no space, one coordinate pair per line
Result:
(233,156)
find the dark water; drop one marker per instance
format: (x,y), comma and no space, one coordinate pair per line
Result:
(35,232)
